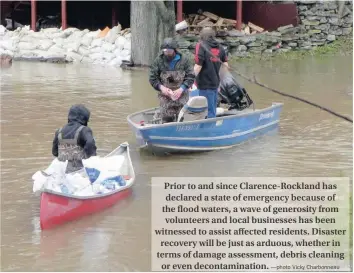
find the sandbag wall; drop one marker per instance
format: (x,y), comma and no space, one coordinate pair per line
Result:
(108,46)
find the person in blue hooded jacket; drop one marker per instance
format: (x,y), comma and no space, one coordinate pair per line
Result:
(75,140)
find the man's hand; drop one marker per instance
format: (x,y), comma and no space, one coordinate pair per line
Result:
(166,91)
(177,94)
(226,64)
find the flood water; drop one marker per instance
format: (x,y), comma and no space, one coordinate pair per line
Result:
(35,98)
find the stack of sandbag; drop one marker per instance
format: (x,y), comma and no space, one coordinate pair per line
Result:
(107,46)
(99,176)
(7,45)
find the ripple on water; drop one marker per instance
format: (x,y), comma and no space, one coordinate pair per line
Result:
(35,101)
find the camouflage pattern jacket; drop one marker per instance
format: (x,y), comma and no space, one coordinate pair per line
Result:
(181,70)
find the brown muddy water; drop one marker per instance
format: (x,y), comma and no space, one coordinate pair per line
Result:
(35,98)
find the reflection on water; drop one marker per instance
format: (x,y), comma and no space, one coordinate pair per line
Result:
(35,98)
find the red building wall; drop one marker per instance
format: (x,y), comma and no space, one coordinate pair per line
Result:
(270,16)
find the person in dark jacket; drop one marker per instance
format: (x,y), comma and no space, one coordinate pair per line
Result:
(74,141)
(209,56)
(171,74)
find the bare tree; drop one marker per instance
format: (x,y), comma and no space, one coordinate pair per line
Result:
(150,23)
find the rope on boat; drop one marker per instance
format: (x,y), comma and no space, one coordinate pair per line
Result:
(255,81)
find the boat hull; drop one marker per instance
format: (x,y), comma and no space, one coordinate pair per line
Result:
(207,135)
(56,210)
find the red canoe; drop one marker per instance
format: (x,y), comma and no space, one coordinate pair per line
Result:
(59,208)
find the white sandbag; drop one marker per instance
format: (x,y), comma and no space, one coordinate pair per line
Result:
(56,166)
(25,54)
(15,40)
(29,38)
(7,44)
(108,47)
(70,31)
(97,42)
(27,46)
(77,181)
(39,181)
(40,53)
(96,50)
(111,38)
(117,61)
(56,35)
(83,51)
(86,40)
(117,52)
(112,35)
(99,62)
(56,49)
(86,60)
(45,44)
(25,29)
(126,58)
(102,168)
(40,35)
(92,34)
(6,52)
(72,47)
(96,56)
(2,30)
(73,57)
(50,55)
(120,42)
(76,36)
(125,53)
(9,34)
(51,30)
(127,45)
(59,41)
(107,56)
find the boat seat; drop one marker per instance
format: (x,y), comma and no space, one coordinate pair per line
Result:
(195,109)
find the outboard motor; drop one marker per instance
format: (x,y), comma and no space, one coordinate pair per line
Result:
(233,94)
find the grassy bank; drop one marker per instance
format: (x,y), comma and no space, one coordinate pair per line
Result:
(341,47)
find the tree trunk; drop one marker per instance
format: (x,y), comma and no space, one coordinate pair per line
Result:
(150,23)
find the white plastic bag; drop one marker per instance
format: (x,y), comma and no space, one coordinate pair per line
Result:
(100,175)
(51,177)
(101,168)
(39,181)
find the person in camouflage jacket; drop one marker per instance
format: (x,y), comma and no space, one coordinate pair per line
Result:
(172,75)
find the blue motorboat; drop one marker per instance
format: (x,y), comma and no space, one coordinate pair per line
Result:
(229,128)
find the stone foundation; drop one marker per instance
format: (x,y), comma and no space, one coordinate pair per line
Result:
(319,25)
